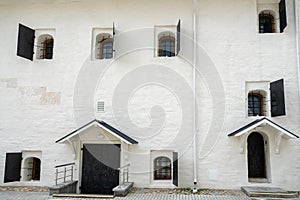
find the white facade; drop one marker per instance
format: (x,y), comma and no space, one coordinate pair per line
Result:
(147,97)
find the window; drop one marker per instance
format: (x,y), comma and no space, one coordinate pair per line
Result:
(162,168)
(167,40)
(265,98)
(104,46)
(166,46)
(266,23)
(255,102)
(27,44)
(32,169)
(45,47)
(271,16)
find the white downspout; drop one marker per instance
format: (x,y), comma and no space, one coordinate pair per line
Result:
(297,42)
(194,90)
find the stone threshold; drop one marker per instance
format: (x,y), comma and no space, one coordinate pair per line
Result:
(268,192)
(84,196)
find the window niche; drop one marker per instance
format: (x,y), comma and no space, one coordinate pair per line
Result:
(31,165)
(167,40)
(102,43)
(257,98)
(271,16)
(35,41)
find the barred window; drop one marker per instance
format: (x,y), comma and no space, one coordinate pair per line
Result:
(166,46)
(255,104)
(104,46)
(162,168)
(266,23)
(45,47)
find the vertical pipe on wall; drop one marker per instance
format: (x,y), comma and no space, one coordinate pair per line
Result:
(194,90)
(297,42)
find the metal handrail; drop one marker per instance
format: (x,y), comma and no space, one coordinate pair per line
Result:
(66,172)
(124,173)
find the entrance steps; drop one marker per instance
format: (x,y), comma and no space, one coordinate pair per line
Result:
(123,189)
(268,193)
(67,187)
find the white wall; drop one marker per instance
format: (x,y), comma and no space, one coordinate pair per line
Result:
(230,53)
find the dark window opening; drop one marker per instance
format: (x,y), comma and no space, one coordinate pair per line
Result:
(255,104)
(107,49)
(104,46)
(266,23)
(48,49)
(45,46)
(36,169)
(162,168)
(166,46)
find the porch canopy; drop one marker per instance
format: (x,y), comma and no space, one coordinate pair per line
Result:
(113,131)
(266,125)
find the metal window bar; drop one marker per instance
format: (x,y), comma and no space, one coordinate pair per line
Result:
(124,173)
(64,172)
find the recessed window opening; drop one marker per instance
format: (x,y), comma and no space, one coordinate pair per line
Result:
(45,47)
(266,22)
(32,169)
(104,46)
(162,168)
(256,103)
(166,44)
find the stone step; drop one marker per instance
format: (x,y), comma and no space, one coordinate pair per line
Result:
(123,189)
(84,196)
(268,193)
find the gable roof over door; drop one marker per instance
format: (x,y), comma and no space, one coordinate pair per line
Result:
(263,122)
(115,132)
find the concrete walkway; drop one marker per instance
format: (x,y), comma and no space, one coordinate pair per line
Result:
(14,195)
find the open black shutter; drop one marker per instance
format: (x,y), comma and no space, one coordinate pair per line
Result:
(114,30)
(12,167)
(25,42)
(277,98)
(178,38)
(175,168)
(282,15)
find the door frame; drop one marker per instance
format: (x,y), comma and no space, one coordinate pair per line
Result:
(267,166)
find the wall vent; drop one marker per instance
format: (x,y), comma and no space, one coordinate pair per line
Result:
(100,106)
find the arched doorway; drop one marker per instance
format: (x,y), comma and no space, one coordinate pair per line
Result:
(256,156)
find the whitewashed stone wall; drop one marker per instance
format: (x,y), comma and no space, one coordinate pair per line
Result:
(43,100)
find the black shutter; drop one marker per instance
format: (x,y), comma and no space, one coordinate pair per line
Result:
(175,168)
(277,98)
(282,15)
(25,42)
(12,167)
(178,38)
(114,30)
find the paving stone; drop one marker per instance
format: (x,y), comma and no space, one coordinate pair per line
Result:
(19,195)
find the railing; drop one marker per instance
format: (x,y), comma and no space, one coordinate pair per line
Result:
(124,171)
(64,172)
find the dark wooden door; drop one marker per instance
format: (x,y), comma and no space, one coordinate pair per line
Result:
(256,156)
(100,165)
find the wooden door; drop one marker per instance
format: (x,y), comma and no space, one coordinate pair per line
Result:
(100,165)
(256,156)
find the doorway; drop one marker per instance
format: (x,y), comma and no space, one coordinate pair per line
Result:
(100,165)
(257,165)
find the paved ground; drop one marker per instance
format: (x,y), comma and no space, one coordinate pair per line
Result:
(15,195)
